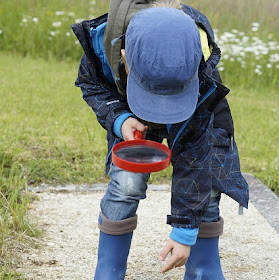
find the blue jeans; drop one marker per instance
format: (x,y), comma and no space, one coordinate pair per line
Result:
(126,189)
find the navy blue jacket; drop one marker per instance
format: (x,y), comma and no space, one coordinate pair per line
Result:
(204,154)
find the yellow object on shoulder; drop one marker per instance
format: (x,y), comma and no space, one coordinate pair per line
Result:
(204,44)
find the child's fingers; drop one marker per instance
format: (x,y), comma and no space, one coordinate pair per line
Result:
(141,127)
(129,127)
(171,263)
(165,251)
(181,263)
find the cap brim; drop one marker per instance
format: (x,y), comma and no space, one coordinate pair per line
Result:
(162,109)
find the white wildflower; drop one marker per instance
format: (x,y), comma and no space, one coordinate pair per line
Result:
(59,13)
(221,68)
(68,34)
(35,19)
(71,14)
(245,39)
(243,64)
(269,65)
(255,24)
(24,20)
(254,29)
(274,57)
(52,33)
(258,71)
(257,53)
(256,39)
(273,45)
(225,56)
(76,42)
(264,52)
(56,24)
(1,31)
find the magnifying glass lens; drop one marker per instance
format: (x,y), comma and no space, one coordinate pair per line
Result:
(141,154)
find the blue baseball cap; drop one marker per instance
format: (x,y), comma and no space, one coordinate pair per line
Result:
(163,53)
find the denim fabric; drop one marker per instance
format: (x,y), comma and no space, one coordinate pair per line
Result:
(126,189)
(212,212)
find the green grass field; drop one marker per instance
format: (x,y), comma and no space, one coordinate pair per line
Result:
(48,134)
(54,136)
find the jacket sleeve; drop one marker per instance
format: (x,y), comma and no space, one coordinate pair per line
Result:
(106,104)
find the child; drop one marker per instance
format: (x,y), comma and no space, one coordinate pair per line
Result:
(167,86)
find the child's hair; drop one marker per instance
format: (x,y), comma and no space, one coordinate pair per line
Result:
(123,61)
(167,3)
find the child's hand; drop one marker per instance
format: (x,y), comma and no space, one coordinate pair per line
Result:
(129,127)
(179,255)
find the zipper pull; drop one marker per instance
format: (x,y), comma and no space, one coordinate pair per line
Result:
(232,143)
(240,210)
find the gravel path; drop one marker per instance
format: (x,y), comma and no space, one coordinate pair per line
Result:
(249,247)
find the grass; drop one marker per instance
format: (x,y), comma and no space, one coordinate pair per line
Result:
(54,136)
(15,228)
(46,124)
(42,28)
(257,133)
(7,274)
(47,135)
(52,132)
(226,15)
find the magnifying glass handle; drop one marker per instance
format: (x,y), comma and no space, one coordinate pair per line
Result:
(138,135)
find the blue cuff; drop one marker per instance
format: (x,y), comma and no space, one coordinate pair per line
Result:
(185,236)
(118,123)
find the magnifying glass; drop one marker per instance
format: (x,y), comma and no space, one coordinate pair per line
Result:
(141,156)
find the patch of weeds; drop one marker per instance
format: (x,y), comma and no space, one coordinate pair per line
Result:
(15,228)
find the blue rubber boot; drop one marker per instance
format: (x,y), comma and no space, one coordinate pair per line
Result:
(112,256)
(204,261)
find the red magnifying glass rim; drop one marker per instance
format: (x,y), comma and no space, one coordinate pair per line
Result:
(141,167)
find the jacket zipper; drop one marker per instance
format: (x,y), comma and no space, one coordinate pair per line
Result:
(209,92)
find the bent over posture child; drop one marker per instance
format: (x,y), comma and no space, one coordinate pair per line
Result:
(151,66)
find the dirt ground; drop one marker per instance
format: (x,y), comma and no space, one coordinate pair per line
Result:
(249,247)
